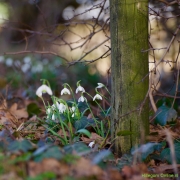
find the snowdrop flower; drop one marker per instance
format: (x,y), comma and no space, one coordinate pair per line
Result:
(82,99)
(53,117)
(43,89)
(48,111)
(65,91)
(80,89)
(9,62)
(73,111)
(97,96)
(61,107)
(100,85)
(91,144)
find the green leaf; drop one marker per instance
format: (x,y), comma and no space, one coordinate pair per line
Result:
(107,112)
(56,134)
(166,154)
(70,158)
(6,138)
(102,156)
(23,158)
(41,150)
(126,160)
(43,176)
(146,149)
(124,133)
(23,145)
(52,152)
(85,132)
(82,106)
(79,148)
(83,123)
(165,115)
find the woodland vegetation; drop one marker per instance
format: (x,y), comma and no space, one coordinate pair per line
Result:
(89,89)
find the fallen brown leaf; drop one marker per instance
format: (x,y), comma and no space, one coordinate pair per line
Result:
(94,137)
(18,113)
(48,165)
(164,167)
(84,168)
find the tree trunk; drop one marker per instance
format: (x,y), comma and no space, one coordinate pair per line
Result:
(129,35)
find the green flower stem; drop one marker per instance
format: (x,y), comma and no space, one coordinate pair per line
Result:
(62,125)
(99,131)
(93,116)
(76,105)
(107,90)
(97,104)
(70,123)
(43,102)
(102,131)
(71,91)
(101,94)
(104,141)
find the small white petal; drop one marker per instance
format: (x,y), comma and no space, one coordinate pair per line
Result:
(65,91)
(48,111)
(53,117)
(97,96)
(80,89)
(43,89)
(73,108)
(100,85)
(91,144)
(82,99)
(72,115)
(62,108)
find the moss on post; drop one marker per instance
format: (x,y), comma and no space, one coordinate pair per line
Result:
(129,35)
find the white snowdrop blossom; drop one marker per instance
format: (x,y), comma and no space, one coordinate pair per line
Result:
(80,89)
(82,99)
(97,96)
(9,62)
(53,117)
(73,111)
(65,91)
(91,144)
(48,111)
(43,89)
(100,85)
(61,107)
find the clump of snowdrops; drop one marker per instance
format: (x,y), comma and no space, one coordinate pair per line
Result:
(69,119)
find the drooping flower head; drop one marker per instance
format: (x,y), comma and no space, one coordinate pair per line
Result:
(100,85)
(61,107)
(91,144)
(43,89)
(65,91)
(53,117)
(97,96)
(82,99)
(79,88)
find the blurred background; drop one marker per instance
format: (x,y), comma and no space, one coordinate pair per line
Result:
(44,39)
(66,41)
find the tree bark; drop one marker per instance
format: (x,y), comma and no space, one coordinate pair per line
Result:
(129,35)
